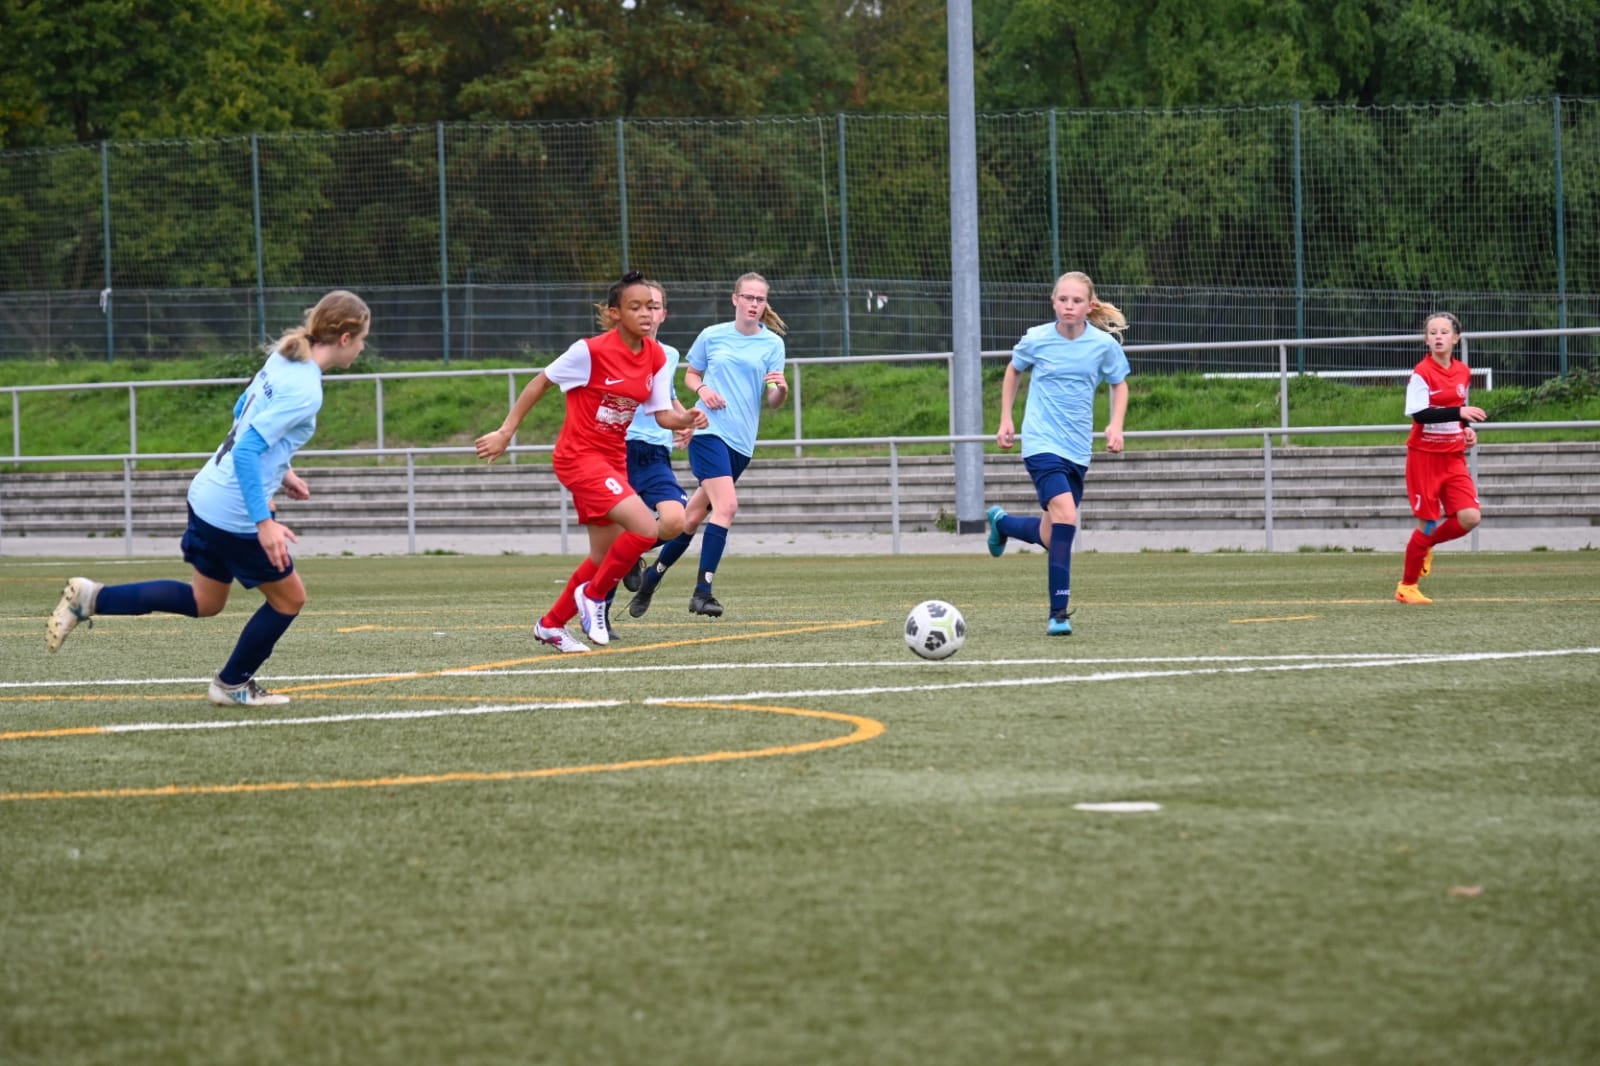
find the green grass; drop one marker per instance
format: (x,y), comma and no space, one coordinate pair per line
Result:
(870,400)
(1338,776)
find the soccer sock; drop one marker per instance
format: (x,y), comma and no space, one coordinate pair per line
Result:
(561,612)
(620,557)
(1416,551)
(1059,569)
(255,644)
(143,597)
(671,552)
(1024,529)
(712,542)
(1449,529)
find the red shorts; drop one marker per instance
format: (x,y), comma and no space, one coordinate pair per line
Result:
(1438,484)
(596,486)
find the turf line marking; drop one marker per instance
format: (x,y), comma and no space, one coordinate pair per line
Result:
(863,729)
(324,719)
(1286,618)
(1141,675)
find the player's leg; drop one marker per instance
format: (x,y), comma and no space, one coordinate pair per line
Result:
(632,533)
(1003,527)
(1058,483)
(285,595)
(1422,491)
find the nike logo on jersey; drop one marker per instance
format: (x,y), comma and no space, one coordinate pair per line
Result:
(613,381)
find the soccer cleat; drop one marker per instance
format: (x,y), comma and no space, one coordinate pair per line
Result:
(1058,625)
(591,615)
(76,605)
(1427,564)
(641,599)
(245,694)
(635,576)
(558,638)
(997,539)
(1404,593)
(705,603)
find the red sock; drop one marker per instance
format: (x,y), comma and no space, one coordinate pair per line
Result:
(1416,550)
(626,550)
(561,612)
(1449,529)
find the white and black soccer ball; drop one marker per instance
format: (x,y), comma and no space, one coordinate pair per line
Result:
(935,629)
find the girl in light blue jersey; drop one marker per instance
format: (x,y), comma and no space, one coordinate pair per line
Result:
(733,368)
(1068,359)
(233,533)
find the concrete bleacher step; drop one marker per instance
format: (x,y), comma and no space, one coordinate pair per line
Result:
(1531,484)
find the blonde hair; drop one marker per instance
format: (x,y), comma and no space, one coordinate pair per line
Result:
(769,317)
(1103,315)
(334,315)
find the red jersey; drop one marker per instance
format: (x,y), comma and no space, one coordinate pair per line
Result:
(1432,385)
(605,384)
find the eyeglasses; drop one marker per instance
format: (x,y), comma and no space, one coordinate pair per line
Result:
(749,298)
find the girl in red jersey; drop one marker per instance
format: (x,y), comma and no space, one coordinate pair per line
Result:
(1442,494)
(607,380)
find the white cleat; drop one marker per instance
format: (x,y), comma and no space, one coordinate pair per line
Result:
(246,694)
(76,605)
(558,638)
(592,615)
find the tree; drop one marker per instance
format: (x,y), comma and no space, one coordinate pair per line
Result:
(102,69)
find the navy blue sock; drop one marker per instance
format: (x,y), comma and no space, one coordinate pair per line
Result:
(671,552)
(712,543)
(1060,567)
(255,644)
(1023,529)
(143,597)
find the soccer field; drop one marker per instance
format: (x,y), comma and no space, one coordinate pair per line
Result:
(779,838)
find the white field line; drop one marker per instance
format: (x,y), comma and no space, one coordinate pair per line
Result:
(1129,675)
(912,664)
(376,716)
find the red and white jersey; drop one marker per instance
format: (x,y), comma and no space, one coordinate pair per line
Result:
(1432,385)
(606,384)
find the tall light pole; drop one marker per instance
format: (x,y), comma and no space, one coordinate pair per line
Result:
(966,366)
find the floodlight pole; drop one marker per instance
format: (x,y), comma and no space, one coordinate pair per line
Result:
(966,369)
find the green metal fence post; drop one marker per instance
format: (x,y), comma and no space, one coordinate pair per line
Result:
(105,227)
(622,191)
(1055,202)
(844,244)
(255,200)
(444,247)
(1299,247)
(1561,244)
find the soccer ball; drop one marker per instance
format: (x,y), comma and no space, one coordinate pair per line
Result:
(935,630)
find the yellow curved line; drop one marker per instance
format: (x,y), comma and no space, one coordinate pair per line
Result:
(864,729)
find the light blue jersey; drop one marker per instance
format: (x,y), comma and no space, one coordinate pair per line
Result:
(736,366)
(281,405)
(1059,417)
(645,427)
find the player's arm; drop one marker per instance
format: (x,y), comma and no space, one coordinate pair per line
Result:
(1119,410)
(493,444)
(273,536)
(1006,436)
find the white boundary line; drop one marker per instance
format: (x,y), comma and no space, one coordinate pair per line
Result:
(891,664)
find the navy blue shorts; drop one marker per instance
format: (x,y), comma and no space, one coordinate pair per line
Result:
(228,557)
(650,474)
(711,457)
(1052,475)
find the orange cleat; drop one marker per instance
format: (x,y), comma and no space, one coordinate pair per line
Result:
(1404,593)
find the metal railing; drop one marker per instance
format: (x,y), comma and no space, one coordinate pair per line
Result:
(893,444)
(1281,346)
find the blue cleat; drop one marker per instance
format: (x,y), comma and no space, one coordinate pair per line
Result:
(1059,626)
(997,539)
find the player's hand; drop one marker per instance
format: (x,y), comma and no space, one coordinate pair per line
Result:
(777,389)
(1474,414)
(1113,439)
(275,538)
(711,398)
(295,487)
(680,438)
(697,420)
(1470,435)
(492,445)
(1007,436)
